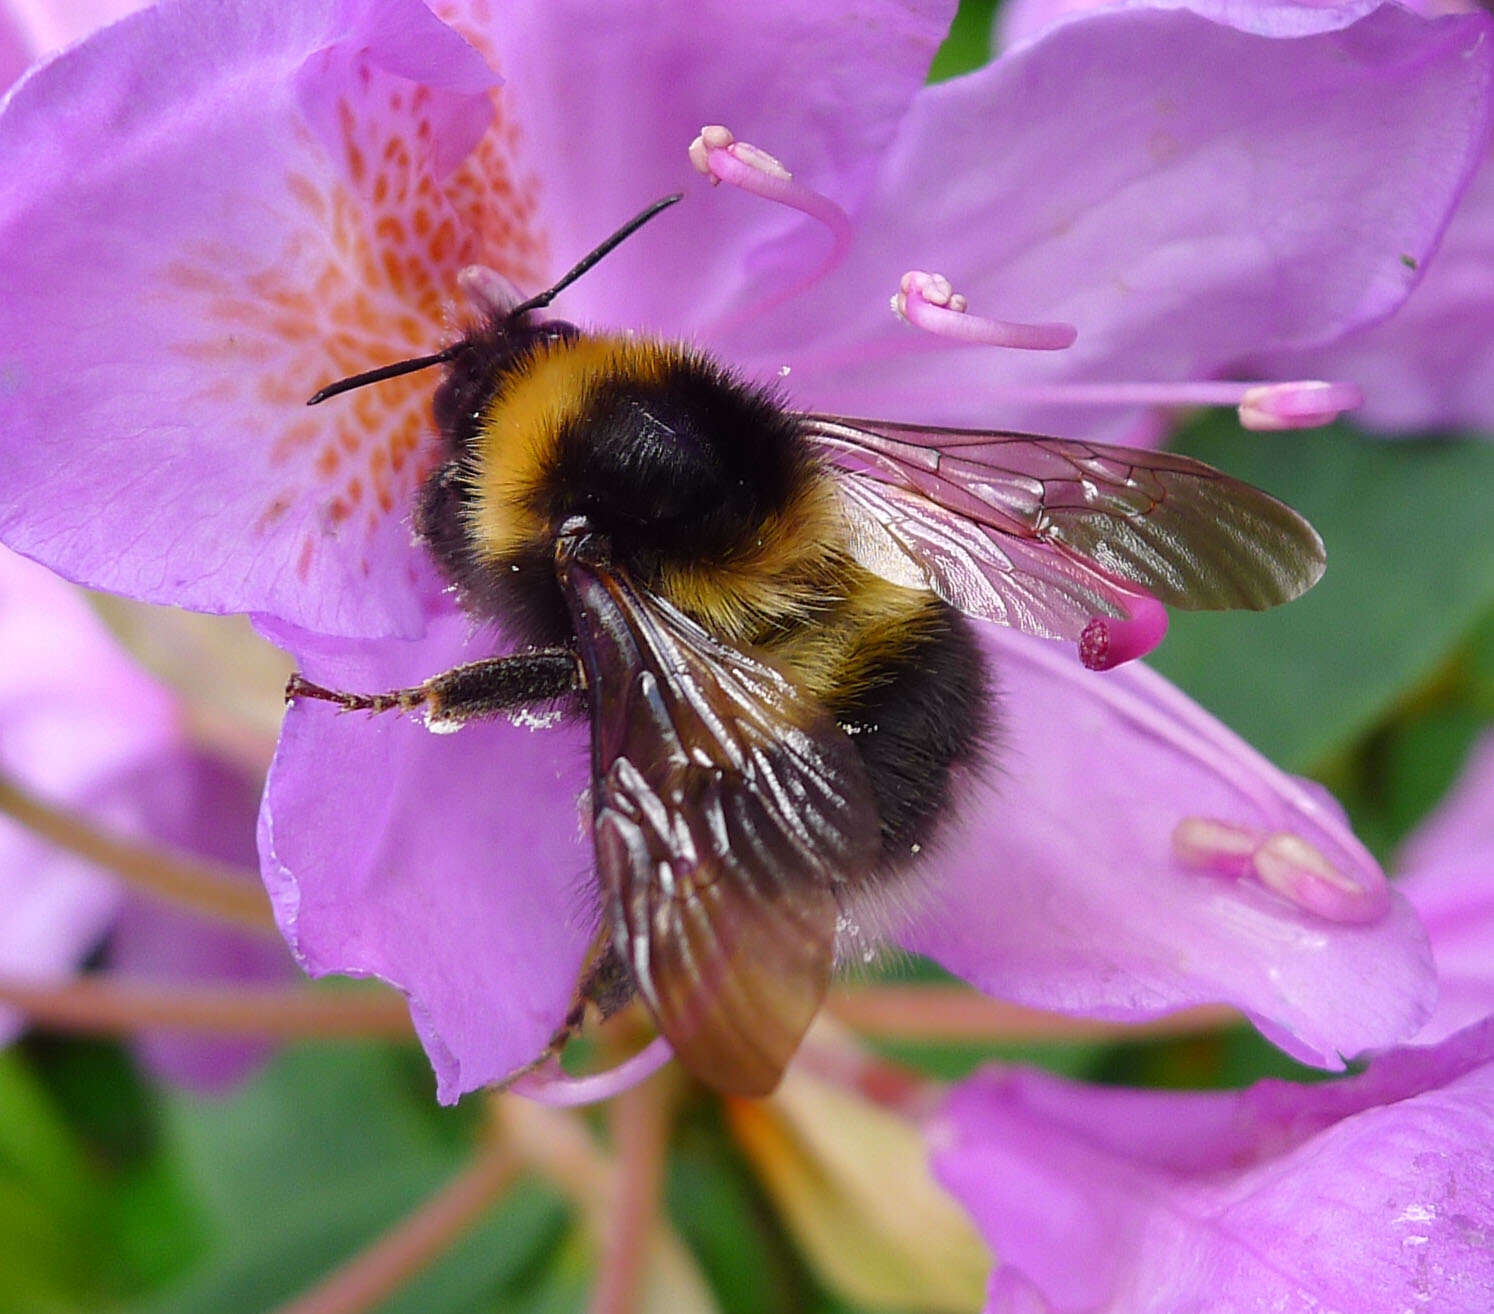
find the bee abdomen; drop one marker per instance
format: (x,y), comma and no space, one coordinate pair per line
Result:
(919,713)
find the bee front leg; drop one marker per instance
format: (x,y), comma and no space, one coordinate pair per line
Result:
(465,693)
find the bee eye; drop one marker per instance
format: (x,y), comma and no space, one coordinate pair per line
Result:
(557,330)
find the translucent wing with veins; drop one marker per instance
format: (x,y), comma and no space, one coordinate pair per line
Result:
(728,807)
(1062,538)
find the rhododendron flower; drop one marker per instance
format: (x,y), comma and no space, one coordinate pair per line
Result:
(81,727)
(1429,366)
(1121,1201)
(190,256)
(1446,870)
(30,29)
(1429,363)
(1375,1192)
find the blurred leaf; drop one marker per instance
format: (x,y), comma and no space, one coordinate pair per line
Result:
(852,1181)
(99,1093)
(968,45)
(560,1284)
(91,1211)
(308,1164)
(36,1145)
(494,1265)
(712,1201)
(39,1272)
(155,1227)
(1410,570)
(1481,656)
(1422,759)
(1229,1059)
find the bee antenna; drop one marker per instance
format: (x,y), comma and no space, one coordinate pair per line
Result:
(386,372)
(587,261)
(534,303)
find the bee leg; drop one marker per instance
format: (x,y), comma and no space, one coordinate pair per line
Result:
(465,693)
(606,982)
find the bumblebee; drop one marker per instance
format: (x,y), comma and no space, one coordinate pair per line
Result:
(765,614)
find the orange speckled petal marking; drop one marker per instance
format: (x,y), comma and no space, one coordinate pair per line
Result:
(495,192)
(290,205)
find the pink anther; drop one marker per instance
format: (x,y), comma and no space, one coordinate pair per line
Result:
(724,159)
(1110,640)
(1302,404)
(1284,862)
(927,301)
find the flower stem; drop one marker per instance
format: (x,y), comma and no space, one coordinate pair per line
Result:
(958,1013)
(557,1144)
(882,1081)
(215,889)
(417,1240)
(640,1129)
(560,1146)
(110,1006)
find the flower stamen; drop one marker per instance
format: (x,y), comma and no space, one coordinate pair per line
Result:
(215,889)
(929,302)
(1301,404)
(111,1005)
(548,1085)
(724,159)
(1284,862)
(1109,641)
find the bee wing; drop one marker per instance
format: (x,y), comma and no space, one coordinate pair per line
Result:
(1044,534)
(727,807)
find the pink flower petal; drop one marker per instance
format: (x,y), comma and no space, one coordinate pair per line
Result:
(76,717)
(1106,175)
(15,50)
(1431,364)
(202,223)
(453,866)
(49,25)
(1447,871)
(203,806)
(1020,20)
(608,97)
(1367,1194)
(1069,886)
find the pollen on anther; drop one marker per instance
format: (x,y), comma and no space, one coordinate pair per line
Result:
(1300,404)
(716,153)
(929,302)
(1109,641)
